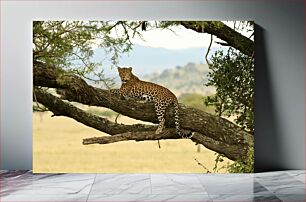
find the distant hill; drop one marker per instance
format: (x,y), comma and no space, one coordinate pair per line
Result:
(146,60)
(182,71)
(189,78)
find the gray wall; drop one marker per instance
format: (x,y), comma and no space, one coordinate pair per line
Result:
(280,63)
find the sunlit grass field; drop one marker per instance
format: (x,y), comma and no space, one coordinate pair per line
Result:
(57,147)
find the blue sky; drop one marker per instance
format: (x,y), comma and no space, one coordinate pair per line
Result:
(146,60)
(163,49)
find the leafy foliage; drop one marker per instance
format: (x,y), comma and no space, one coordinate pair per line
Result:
(238,166)
(233,75)
(69,44)
(242,167)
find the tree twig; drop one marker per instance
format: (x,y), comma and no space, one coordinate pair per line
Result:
(116,119)
(137,136)
(206,56)
(200,164)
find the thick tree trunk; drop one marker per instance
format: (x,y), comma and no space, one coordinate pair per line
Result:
(211,131)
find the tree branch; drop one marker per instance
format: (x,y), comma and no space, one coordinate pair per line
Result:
(137,136)
(230,151)
(218,130)
(224,32)
(61,108)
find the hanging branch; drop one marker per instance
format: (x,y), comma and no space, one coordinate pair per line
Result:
(206,56)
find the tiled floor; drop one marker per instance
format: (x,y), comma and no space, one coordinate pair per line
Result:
(273,186)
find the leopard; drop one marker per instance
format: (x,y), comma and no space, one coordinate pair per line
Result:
(144,91)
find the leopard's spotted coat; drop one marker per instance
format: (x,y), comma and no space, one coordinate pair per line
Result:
(133,87)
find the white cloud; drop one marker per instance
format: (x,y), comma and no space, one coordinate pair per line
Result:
(179,38)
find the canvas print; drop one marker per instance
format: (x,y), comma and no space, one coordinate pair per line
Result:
(143,96)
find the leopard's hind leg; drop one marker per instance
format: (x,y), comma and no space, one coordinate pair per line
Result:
(160,112)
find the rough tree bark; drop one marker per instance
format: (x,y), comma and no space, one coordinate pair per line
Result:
(211,131)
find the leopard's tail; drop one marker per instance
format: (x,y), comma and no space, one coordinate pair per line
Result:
(177,119)
(177,122)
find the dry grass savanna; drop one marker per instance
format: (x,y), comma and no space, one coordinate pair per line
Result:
(57,147)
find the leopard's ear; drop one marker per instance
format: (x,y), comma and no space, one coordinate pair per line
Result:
(130,68)
(119,68)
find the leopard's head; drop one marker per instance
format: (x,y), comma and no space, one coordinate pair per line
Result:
(125,74)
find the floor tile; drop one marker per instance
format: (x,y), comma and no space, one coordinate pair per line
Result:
(176,184)
(114,184)
(292,197)
(282,183)
(258,188)
(275,175)
(12,181)
(48,184)
(244,198)
(13,173)
(217,184)
(287,186)
(294,189)
(43,198)
(3,171)
(149,198)
(266,197)
(298,175)
(183,198)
